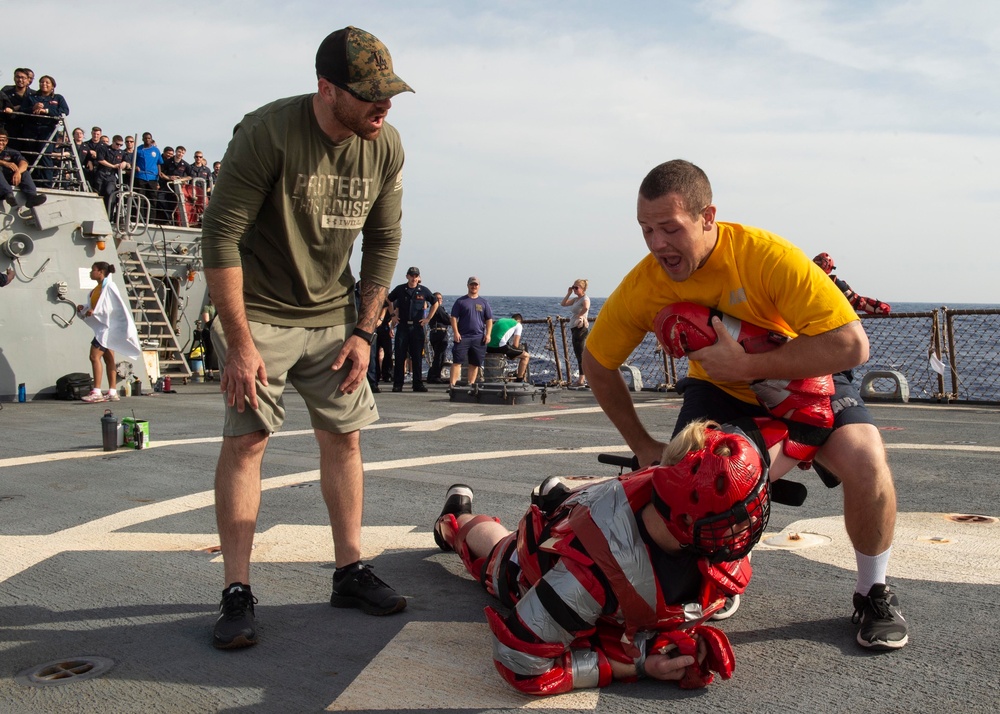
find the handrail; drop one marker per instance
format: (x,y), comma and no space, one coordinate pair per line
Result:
(947,355)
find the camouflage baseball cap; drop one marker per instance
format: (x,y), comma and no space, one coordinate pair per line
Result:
(359,63)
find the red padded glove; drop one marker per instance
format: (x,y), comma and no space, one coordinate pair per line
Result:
(718,658)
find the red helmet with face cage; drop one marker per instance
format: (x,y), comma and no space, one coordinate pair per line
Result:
(717,500)
(824,261)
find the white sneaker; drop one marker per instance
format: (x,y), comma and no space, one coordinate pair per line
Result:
(112,396)
(95,395)
(728,610)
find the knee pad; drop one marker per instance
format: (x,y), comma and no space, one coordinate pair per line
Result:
(455,537)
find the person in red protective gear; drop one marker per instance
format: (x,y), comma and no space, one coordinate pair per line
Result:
(873,306)
(616,579)
(764,280)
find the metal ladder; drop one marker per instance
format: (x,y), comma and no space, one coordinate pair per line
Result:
(151,319)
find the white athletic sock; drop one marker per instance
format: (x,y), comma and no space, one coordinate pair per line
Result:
(871,570)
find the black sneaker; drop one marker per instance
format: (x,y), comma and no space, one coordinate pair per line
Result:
(235,626)
(397,389)
(37,200)
(882,624)
(10,199)
(361,588)
(457,500)
(419,388)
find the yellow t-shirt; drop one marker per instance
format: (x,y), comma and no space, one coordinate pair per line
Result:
(751,274)
(95,294)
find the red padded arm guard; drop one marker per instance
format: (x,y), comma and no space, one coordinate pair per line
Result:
(558,679)
(803,400)
(774,432)
(686,327)
(873,306)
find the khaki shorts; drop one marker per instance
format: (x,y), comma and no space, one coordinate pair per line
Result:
(300,356)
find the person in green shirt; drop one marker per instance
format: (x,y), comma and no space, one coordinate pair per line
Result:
(304,177)
(505,339)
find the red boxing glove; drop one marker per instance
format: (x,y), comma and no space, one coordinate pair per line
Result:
(719,655)
(686,327)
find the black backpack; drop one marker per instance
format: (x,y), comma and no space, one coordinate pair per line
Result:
(76,385)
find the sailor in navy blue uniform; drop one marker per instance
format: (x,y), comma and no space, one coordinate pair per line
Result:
(440,325)
(89,155)
(109,160)
(21,100)
(199,191)
(14,173)
(174,168)
(411,302)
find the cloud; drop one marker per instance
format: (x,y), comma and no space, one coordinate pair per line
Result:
(862,129)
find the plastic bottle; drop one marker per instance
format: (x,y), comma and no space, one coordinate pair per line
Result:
(166,383)
(109,431)
(22,394)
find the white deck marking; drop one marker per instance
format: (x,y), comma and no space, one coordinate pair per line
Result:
(443,665)
(926,546)
(429,425)
(442,422)
(23,551)
(422,425)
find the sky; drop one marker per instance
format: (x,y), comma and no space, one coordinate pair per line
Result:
(869,130)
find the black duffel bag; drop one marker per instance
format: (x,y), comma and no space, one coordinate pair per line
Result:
(75,385)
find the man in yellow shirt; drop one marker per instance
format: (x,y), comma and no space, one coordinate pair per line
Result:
(762,279)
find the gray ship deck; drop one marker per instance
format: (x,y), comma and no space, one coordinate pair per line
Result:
(112,555)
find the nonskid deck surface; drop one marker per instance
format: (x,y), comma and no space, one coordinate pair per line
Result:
(111,558)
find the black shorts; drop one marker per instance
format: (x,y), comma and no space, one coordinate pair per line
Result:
(703,400)
(508,351)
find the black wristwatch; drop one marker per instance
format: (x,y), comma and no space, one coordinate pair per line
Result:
(368,337)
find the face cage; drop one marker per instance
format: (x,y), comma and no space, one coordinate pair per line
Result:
(731,535)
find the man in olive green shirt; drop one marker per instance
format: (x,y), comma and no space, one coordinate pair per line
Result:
(304,177)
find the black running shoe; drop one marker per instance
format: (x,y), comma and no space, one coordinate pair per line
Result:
(882,623)
(361,588)
(235,626)
(457,500)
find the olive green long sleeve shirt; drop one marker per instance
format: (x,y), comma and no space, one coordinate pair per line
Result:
(288,207)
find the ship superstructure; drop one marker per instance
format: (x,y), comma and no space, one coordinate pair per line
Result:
(52,248)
